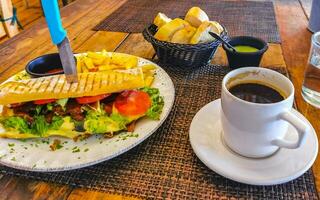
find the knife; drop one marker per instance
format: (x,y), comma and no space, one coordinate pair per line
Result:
(59,38)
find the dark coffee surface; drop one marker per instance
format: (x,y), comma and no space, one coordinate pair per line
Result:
(256,93)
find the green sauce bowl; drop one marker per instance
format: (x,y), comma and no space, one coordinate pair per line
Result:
(251,57)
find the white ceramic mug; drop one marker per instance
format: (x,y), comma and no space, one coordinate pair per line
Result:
(255,129)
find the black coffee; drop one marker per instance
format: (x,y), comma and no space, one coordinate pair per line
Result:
(256,93)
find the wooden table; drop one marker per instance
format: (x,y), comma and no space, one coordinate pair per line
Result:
(80,16)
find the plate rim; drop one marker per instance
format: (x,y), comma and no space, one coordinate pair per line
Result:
(118,153)
(245,180)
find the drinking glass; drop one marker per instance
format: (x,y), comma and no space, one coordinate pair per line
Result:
(311,84)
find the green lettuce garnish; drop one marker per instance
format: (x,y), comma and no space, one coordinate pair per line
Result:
(38,109)
(157,103)
(56,123)
(62,103)
(121,120)
(99,122)
(17,123)
(38,127)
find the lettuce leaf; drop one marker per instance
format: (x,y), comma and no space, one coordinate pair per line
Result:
(17,123)
(100,123)
(62,103)
(157,103)
(56,123)
(39,125)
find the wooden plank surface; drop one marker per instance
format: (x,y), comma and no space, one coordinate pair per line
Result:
(2,31)
(306,6)
(292,54)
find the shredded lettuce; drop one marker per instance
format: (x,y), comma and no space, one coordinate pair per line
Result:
(56,123)
(157,104)
(17,123)
(38,109)
(100,123)
(121,120)
(49,106)
(39,125)
(62,102)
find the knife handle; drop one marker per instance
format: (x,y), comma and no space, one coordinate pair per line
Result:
(52,15)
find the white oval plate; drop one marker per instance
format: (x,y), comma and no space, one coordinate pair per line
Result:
(283,166)
(35,154)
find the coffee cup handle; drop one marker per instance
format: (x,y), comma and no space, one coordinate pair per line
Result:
(299,125)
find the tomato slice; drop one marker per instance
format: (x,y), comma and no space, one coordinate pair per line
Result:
(91,99)
(133,102)
(43,101)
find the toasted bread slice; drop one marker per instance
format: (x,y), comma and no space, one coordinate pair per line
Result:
(56,87)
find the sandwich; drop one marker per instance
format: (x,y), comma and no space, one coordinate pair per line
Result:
(100,103)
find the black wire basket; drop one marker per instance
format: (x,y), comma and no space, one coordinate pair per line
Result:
(182,55)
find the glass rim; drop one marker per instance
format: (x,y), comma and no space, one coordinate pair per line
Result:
(316,39)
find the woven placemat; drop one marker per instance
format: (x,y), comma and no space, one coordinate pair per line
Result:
(240,18)
(164,166)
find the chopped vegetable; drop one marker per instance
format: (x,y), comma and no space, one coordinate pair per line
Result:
(133,102)
(17,123)
(43,101)
(157,102)
(49,106)
(62,102)
(38,109)
(56,123)
(39,126)
(91,99)
(100,123)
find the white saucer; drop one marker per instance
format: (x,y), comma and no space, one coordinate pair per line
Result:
(283,166)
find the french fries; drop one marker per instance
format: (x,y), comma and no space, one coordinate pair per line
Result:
(105,61)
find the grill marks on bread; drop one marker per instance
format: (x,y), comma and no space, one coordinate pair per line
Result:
(56,87)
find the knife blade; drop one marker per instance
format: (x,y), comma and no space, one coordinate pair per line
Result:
(67,60)
(59,37)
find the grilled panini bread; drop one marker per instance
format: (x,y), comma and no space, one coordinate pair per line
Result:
(56,87)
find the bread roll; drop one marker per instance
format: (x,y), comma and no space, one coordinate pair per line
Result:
(56,87)
(166,32)
(216,27)
(202,34)
(161,19)
(184,35)
(195,16)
